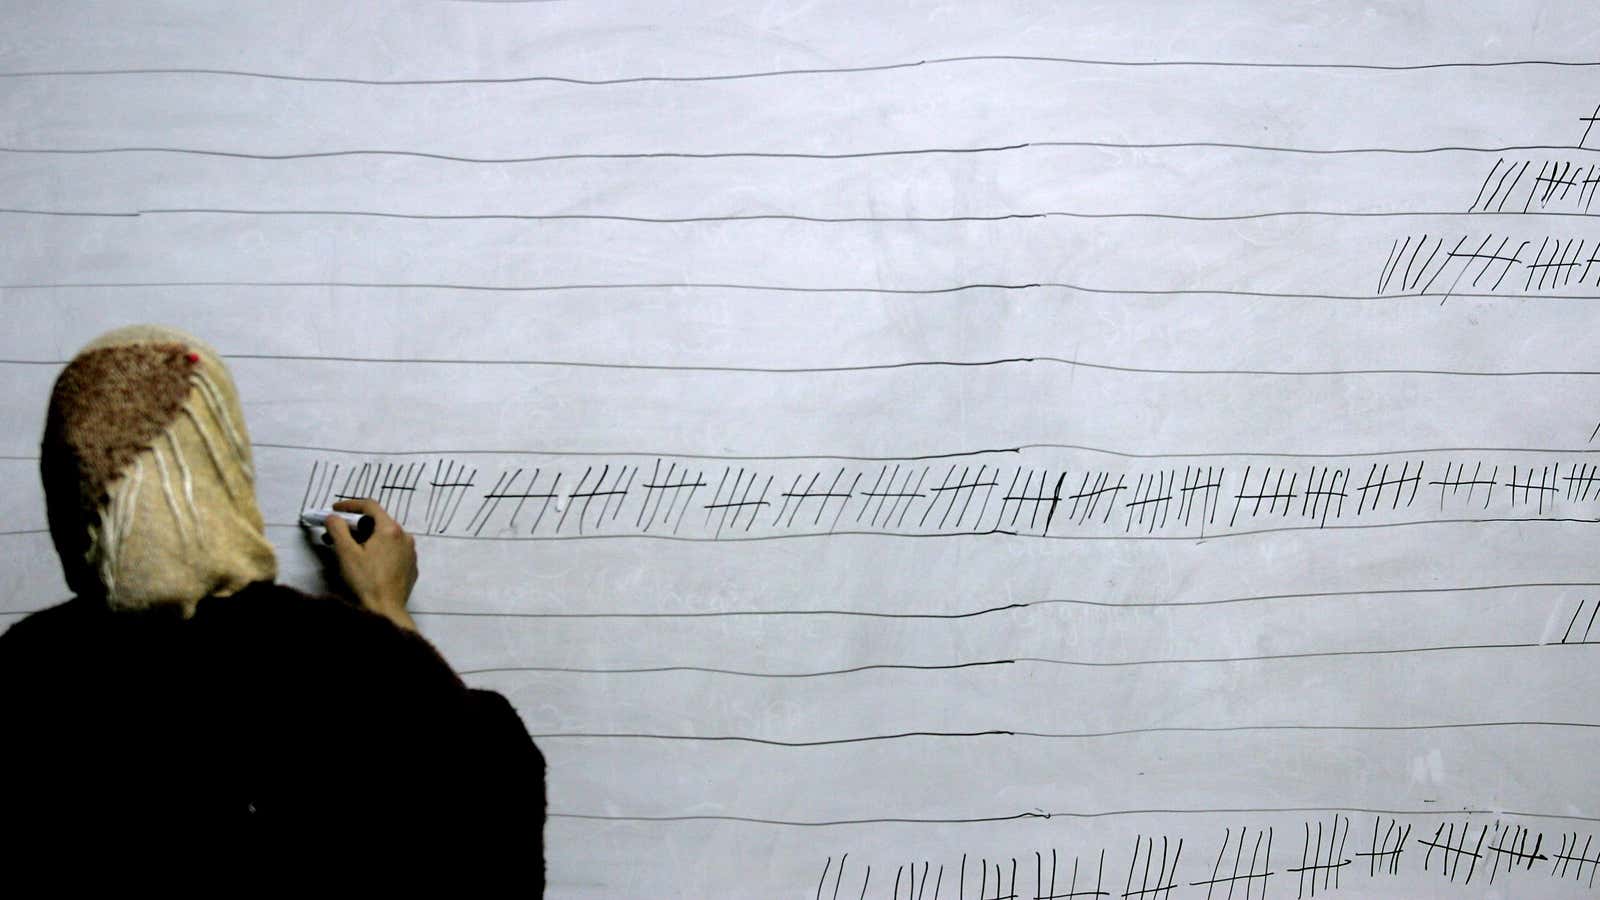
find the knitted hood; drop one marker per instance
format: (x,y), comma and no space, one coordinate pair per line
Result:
(148,475)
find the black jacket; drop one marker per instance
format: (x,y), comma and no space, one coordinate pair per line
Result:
(272,727)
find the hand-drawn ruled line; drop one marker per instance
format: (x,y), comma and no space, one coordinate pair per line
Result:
(1015,606)
(1035,660)
(777,154)
(1016,448)
(782,73)
(646,670)
(838,612)
(796,217)
(1038,735)
(1002,533)
(791,289)
(1031,660)
(1034,814)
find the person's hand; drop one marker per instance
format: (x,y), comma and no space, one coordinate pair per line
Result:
(382,571)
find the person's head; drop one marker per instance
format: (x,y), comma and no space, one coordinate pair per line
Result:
(148,476)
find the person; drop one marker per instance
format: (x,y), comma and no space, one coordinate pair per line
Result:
(183,701)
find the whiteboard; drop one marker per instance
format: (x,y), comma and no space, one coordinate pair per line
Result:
(1004,450)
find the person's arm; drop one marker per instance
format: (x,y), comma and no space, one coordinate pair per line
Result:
(500,819)
(382,571)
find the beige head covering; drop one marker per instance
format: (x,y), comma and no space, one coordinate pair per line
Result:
(148,475)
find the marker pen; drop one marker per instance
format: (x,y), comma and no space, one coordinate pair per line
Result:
(361,526)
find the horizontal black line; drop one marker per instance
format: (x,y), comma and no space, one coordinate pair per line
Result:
(447,286)
(19,531)
(786,289)
(1077,663)
(711,615)
(780,73)
(1269,657)
(973,820)
(758,154)
(630,453)
(1490,520)
(507,160)
(785,217)
(736,672)
(1366,453)
(1308,595)
(1051,735)
(953,454)
(1019,448)
(992,532)
(876,367)
(1010,606)
(1256,598)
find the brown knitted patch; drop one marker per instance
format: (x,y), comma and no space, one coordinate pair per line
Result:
(108,405)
